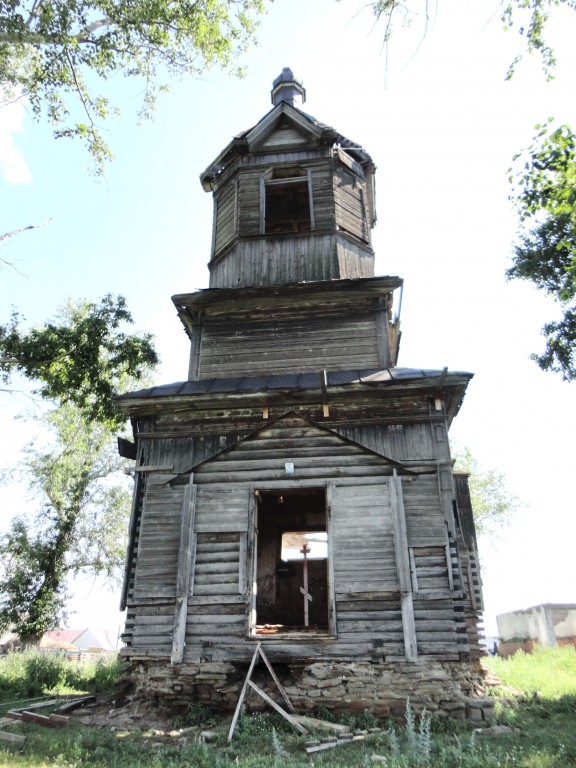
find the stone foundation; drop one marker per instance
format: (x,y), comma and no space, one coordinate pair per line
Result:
(449,689)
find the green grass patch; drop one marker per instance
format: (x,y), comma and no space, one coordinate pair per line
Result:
(542,713)
(548,672)
(34,673)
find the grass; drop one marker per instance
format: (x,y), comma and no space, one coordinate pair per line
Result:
(537,698)
(32,674)
(548,672)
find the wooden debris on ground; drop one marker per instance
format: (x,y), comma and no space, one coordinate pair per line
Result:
(27,714)
(315,745)
(249,683)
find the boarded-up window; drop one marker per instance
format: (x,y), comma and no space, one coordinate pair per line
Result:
(363,539)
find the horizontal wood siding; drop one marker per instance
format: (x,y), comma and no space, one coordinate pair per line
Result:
(440,627)
(217,564)
(285,135)
(221,509)
(316,454)
(430,566)
(149,628)
(217,605)
(425,522)
(183,453)
(159,539)
(278,345)
(403,443)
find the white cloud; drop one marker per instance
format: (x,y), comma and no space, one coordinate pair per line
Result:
(12,162)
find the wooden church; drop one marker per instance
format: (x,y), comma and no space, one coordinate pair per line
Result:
(298,489)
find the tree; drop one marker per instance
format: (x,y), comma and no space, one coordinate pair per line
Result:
(545,196)
(79,363)
(529,17)
(50,52)
(493,503)
(544,184)
(80,526)
(81,358)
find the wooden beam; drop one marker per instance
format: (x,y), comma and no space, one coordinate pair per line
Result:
(243,693)
(15,738)
(403,566)
(382,332)
(278,708)
(186,557)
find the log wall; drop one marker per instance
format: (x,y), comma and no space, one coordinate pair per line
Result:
(283,343)
(369,618)
(277,259)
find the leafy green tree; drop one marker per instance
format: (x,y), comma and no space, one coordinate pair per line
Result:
(545,196)
(51,52)
(493,503)
(528,17)
(80,525)
(81,358)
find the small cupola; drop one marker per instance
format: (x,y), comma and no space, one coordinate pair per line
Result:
(286,88)
(293,200)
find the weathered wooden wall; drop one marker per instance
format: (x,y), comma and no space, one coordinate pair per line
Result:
(276,259)
(338,245)
(283,343)
(368,613)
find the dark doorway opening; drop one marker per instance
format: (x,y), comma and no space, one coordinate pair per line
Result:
(292,578)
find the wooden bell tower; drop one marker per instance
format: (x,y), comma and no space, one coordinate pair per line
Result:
(296,425)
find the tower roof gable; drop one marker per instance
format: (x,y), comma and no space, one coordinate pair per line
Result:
(283,114)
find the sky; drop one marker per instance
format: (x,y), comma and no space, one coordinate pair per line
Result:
(442,125)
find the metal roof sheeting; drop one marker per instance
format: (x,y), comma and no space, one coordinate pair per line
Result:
(293,381)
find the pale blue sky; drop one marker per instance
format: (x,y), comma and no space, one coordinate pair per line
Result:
(442,127)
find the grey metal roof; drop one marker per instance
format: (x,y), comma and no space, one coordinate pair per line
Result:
(293,381)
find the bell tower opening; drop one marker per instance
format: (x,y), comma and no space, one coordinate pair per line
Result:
(287,202)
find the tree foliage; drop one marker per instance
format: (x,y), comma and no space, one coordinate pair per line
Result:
(528,17)
(80,525)
(493,503)
(545,196)
(81,358)
(51,51)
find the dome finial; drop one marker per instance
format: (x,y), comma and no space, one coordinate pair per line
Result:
(288,89)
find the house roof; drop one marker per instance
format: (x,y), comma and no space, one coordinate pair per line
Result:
(63,635)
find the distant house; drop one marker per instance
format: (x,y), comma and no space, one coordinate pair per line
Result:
(87,640)
(549,624)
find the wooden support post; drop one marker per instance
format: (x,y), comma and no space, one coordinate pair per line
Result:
(304,589)
(243,692)
(278,708)
(186,558)
(248,682)
(403,565)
